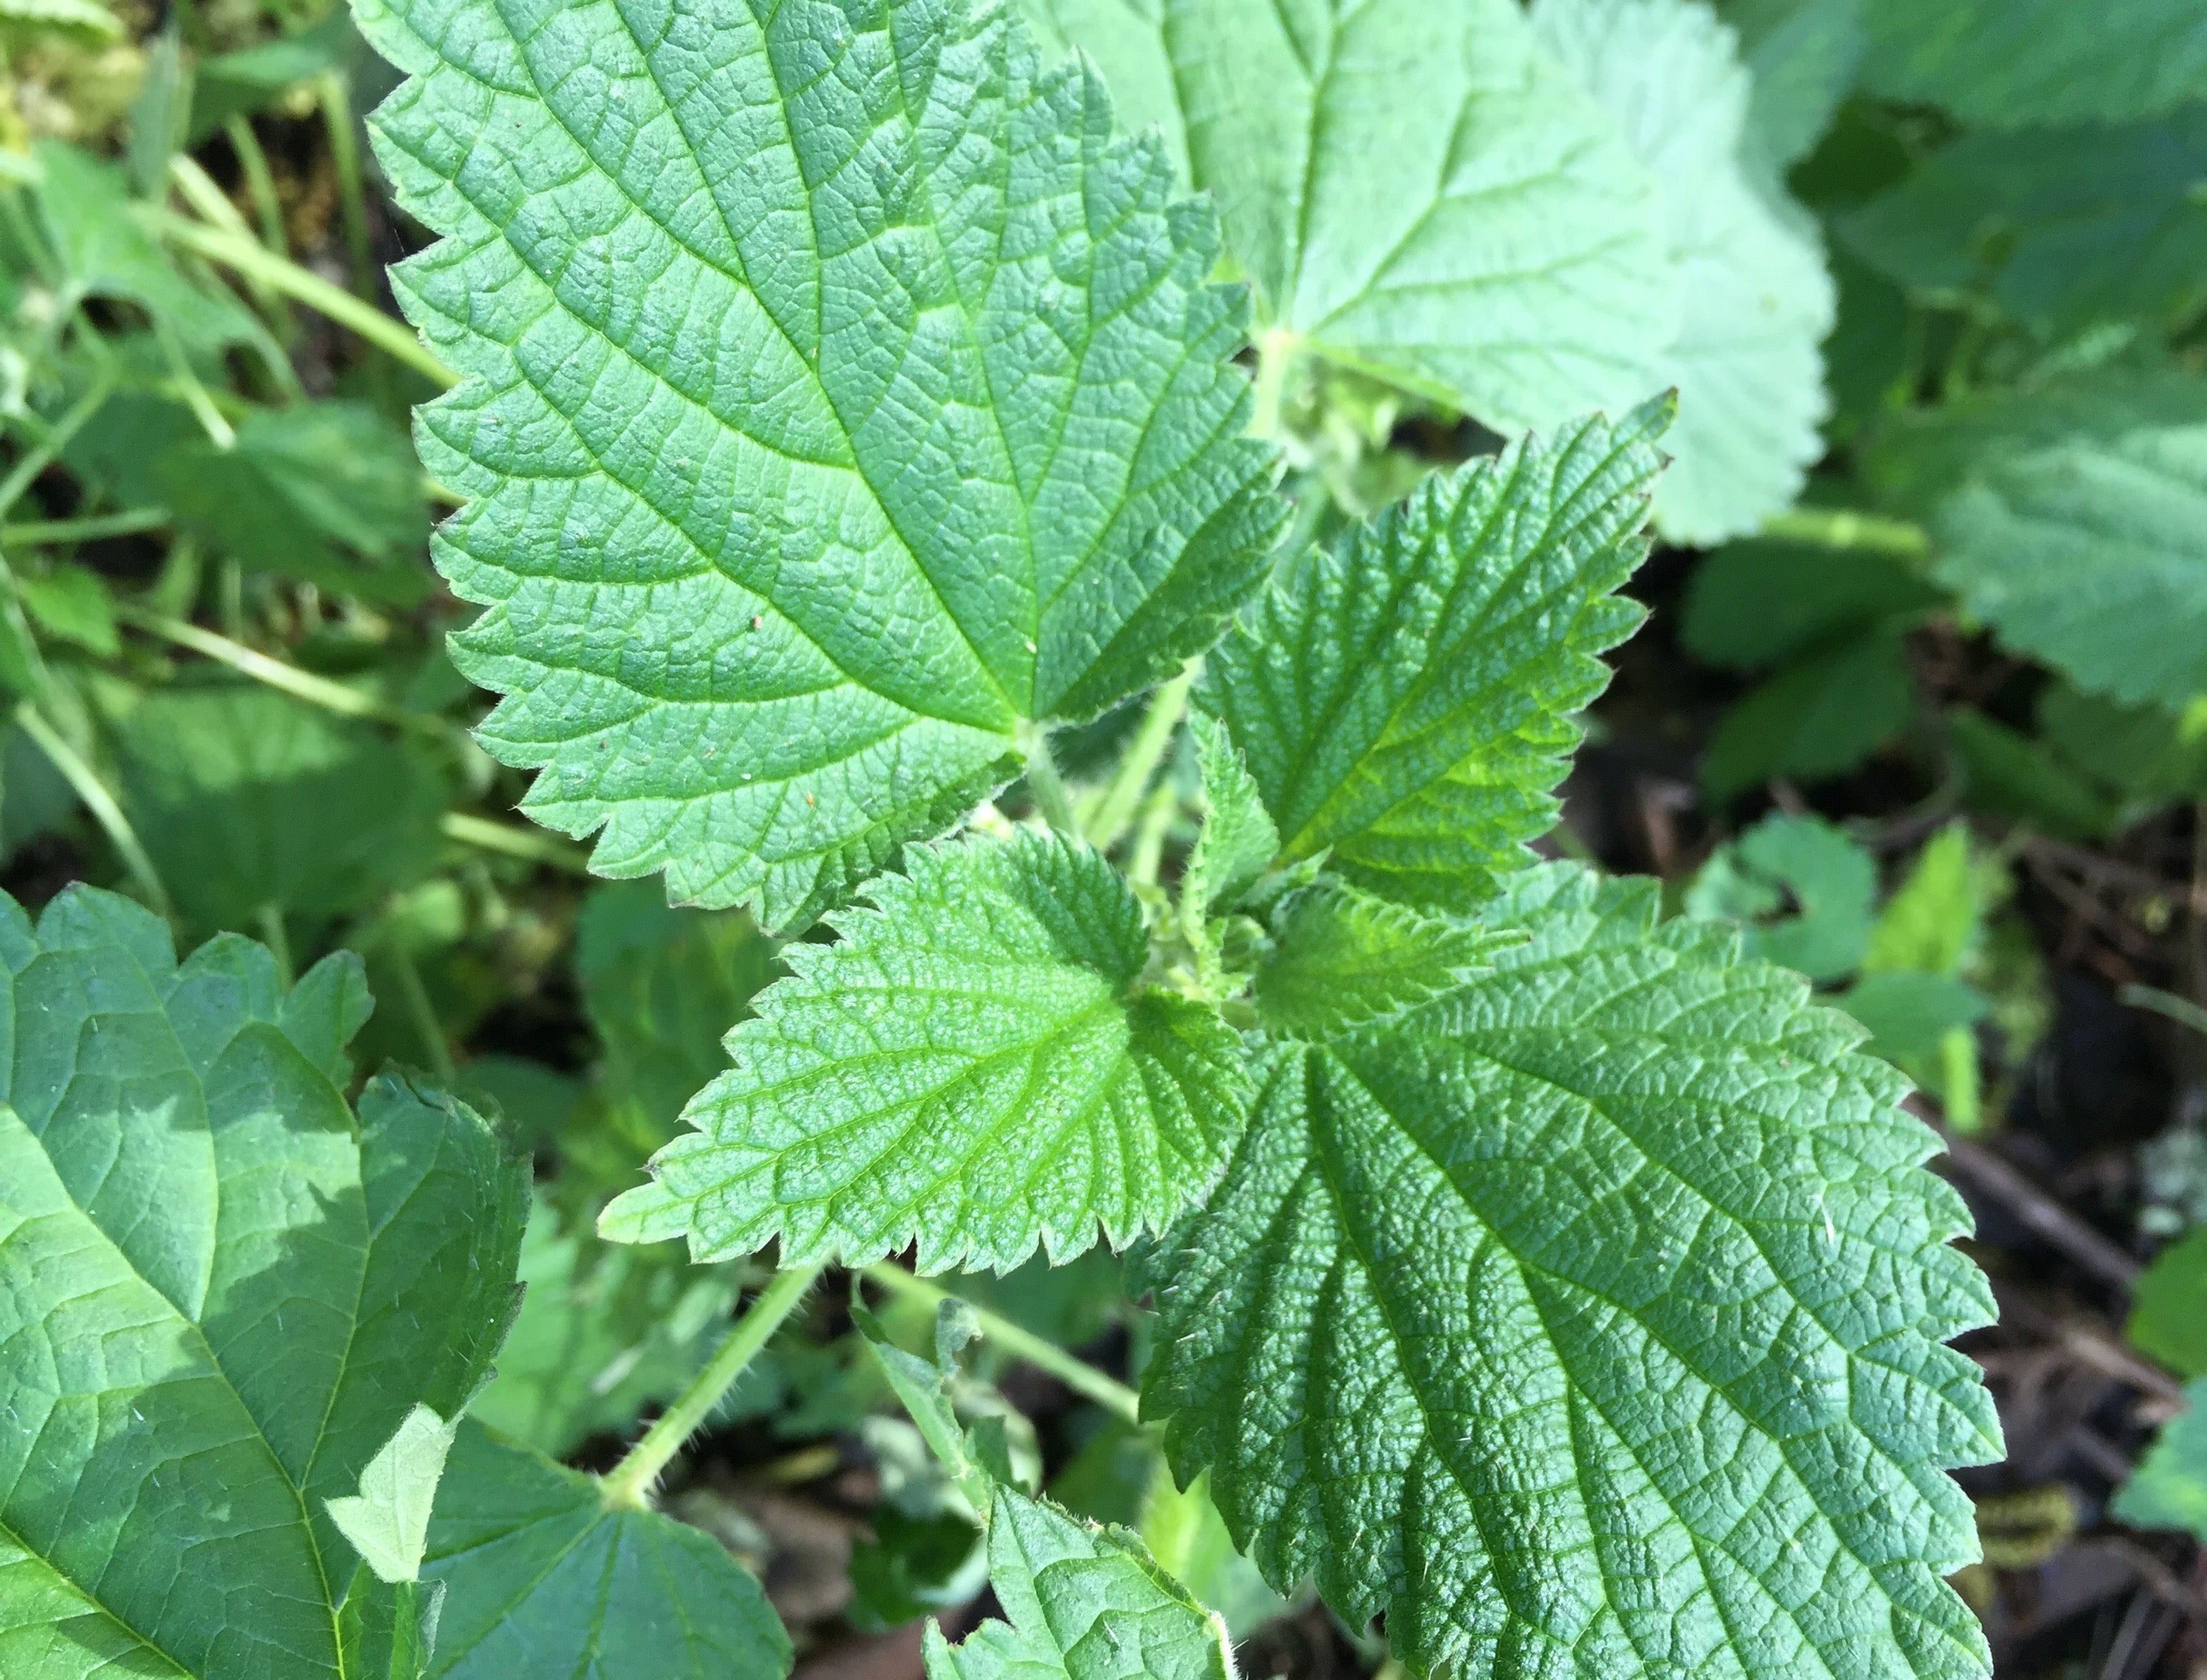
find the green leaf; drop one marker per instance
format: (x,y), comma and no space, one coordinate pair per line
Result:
(1745,361)
(1405,696)
(603,1331)
(325,492)
(839,397)
(72,605)
(1084,1604)
(1818,716)
(226,1295)
(541,1578)
(1802,54)
(2166,1319)
(1908,1014)
(1421,196)
(1126,40)
(991,994)
(104,252)
(2023,63)
(1935,917)
(2063,227)
(388,1520)
(1343,959)
(2091,554)
(247,798)
(1756,603)
(1238,840)
(240,83)
(922,1388)
(1801,865)
(85,18)
(2012,775)
(1587,1323)
(2170,1489)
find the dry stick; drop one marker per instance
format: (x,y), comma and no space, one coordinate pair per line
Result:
(2044,1216)
(1082,1378)
(629,1482)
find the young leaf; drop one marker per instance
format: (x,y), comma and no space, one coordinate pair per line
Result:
(839,398)
(1084,1604)
(1345,959)
(388,1520)
(542,1577)
(973,1066)
(246,798)
(226,1295)
(2020,64)
(1238,841)
(1418,194)
(923,1386)
(2170,1489)
(1586,1322)
(1406,696)
(1746,363)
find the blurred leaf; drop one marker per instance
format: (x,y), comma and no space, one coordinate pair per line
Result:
(1820,717)
(34,796)
(72,605)
(2169,1307)
(1909,1014)
(604,1331)
(105,251)
(241,83)
(1934,919)
(1800,890)
(326,491)
(912,1565)
(2168,1490)
(1187,1537)
(246,798)
(534,1102)
(2022,63)
(2012,775)
(1866,355)
(2063,227)
(1759,602)
(1802,54)
(85,18)
(2147,753)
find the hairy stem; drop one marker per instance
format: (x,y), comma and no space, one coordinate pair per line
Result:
(1051,796)
(100,802)
(1108,820)
(1842,527)
(630,1481)
(32,532)
(1083,1379)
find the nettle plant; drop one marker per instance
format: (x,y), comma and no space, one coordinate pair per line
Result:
(843,406)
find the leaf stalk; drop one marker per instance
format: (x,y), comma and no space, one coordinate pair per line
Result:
(1108,820)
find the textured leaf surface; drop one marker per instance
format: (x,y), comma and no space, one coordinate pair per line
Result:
(1084,1603)
(225,1295)
(1413,191)
(1586,1322)
(2091,554)
(2168,1490)
(540,1578)
(1238,840)
(1344,959)
(1406,696)
(974,1067)
(2064,227)
(246,798)
(2022,63)
(839,394)
(1746,363)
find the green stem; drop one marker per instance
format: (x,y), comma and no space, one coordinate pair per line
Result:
(126,524)
(529,845)
(420,1009)
(344,156)
(1083,1379)
(277,939)
(1276,353)
(100,802)
(36,459)
(629,1482)
(1149,852)
(259,184)
(1108,820)
(1842,527)
(393,338)
(1051,796)
(2182,1010)
(331,696)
